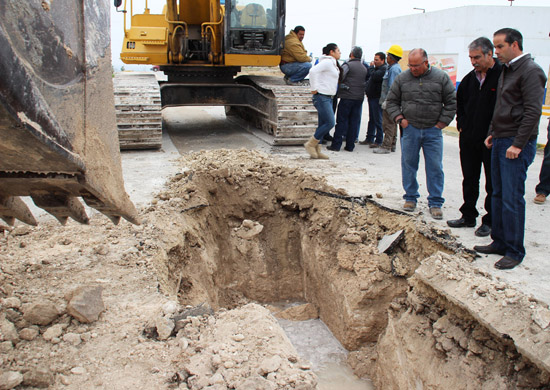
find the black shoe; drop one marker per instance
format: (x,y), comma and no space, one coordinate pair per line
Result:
(461,222)
(483,230)
(332,148)
(328,137)
(348,150)
(488,250)
(365,142)
(506,263)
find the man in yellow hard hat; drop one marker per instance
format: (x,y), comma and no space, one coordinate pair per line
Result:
(394,54)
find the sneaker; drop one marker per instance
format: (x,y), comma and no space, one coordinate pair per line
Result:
(436,212)
(408,206)
(381,151)
(540,198)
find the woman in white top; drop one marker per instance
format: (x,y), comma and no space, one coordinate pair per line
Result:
(323,79)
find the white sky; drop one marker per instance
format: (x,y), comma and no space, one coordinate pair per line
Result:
(328,21)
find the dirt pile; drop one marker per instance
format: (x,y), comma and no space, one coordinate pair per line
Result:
(178,294)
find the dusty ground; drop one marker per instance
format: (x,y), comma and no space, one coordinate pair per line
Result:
(139,341)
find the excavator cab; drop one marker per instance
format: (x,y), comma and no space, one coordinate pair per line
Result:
(255,28)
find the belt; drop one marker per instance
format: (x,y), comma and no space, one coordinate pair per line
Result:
(330,96)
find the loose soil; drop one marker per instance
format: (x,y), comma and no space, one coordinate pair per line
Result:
(189,294)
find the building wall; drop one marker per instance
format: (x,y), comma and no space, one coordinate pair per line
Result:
(450,31)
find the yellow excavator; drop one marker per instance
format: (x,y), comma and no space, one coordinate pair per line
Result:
(201,45)
(58,136)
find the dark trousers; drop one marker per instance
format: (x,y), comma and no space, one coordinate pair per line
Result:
(348,121)
(474,155)
(375,134)
(544,179)
(509,175)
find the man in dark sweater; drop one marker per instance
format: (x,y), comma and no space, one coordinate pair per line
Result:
(512,139)
(351,93)
(476,98)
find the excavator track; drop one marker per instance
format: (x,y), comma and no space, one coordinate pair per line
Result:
(138,110)
(291,119)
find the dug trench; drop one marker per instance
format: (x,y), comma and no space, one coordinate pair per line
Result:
(189,295)
(242,228)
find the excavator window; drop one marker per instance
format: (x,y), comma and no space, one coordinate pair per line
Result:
(254,26)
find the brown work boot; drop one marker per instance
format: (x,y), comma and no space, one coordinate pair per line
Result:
(319,153)
(311,147)
(540,199)
(409,206)
(436,212)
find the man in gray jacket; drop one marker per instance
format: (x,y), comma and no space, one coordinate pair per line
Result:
(512,140)
(423,101)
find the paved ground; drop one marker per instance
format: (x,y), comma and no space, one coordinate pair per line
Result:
(360,173)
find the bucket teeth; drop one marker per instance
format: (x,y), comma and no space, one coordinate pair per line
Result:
(62,207)
(12,207)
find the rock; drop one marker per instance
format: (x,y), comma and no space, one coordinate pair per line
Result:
(387,243)
(43,312)
(352,238)
(101,249)
(72,338)
(249,230)
(8,331)
(78,370)
(256,383)
(270,364)
(541,317)
(40,377)
(53,332)
(238,337)
(6,346)
(22,230)
(217,379)
(299,313)
(170,307)
(64,380)
(12,303)
(10,379)
(28,334)
(85,303)
(164,326)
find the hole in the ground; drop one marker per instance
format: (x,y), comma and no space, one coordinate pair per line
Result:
(236,227)
(268,233)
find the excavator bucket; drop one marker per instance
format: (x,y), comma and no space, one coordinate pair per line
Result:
(58,135)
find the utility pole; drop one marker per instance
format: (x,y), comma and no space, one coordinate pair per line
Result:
(355,14)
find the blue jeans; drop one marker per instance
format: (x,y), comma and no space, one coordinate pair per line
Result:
(296,71)
(544,179)
(508,175)
(325,115)
(348,121)
(430,140)
(374,130)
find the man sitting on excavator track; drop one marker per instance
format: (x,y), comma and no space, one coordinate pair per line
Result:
(295,63)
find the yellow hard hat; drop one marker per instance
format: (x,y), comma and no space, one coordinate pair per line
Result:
(396,50)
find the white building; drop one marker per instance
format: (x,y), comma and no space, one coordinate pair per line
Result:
(449,32)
